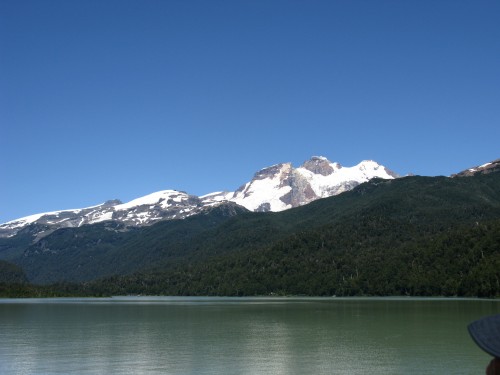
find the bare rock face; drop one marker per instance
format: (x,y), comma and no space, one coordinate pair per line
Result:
(301,192)
(263,207)
(273,171)
(320,165)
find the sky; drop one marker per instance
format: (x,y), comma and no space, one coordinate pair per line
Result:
(105,99)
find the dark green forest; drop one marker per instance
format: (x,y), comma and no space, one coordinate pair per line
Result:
(10,273)
(413,236)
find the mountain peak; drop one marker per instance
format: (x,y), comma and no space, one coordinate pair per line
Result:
(373,169)
(319,158)
(281,186)
(273,170)
(112,202)
(320,165)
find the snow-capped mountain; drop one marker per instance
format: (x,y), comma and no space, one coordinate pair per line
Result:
(281,186)
(274,188)
(162,205)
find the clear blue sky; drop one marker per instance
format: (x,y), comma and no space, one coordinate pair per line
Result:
(103,99)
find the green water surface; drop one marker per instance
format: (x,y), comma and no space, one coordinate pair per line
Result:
(182,335)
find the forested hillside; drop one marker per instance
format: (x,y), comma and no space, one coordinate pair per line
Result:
(426,242)
(10,273)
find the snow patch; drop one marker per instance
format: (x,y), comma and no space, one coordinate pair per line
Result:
(479,168)
(150,199)
(104,217)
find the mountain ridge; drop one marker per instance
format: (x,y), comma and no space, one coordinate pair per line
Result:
(274,188)
(490,167)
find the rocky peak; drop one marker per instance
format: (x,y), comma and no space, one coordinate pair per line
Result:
(320,165)
(112,202)
(273,171)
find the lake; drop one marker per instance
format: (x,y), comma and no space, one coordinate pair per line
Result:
(189,335)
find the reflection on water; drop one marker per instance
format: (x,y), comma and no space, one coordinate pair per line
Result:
(240,336)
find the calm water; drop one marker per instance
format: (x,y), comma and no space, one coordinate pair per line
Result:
(240,336)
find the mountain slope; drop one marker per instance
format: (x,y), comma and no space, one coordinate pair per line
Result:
(91,251)
(10,273)
(162,205)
